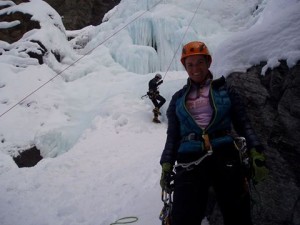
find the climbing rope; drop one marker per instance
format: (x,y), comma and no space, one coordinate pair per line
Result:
(126,220)
(180,43)
(80,58)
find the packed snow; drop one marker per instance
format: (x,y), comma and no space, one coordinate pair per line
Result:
(85,113)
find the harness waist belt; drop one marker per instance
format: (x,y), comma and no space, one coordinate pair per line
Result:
(196,137)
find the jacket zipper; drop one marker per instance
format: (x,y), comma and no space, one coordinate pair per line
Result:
(213,105)
(184,98)
(214,110)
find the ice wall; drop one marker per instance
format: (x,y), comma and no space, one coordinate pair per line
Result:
(153,41)
(145,36)
(153,31)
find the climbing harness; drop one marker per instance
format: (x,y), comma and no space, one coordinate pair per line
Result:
(240,144)
(151,95)
(207,146)
(126,220)
(165,214)
(144,96)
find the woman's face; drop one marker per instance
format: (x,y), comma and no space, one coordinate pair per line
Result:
(197,68)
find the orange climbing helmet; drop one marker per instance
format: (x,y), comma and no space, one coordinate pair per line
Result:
(194,48)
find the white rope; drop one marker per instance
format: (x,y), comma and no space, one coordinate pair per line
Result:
(182,38)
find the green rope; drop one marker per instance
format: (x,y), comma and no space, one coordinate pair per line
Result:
(131,219)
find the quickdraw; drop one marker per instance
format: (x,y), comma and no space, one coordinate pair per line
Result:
(241,146)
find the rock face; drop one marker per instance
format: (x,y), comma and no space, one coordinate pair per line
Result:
(15,33)
(273,102)
(77,14)
(21,22)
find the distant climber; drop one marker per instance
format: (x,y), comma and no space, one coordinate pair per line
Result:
(155,97)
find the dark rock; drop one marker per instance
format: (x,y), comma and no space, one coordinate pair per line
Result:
(20,1)
(15,33)
(78,14)
(36,55)
(28,158)
(34,48)
(8,4)
(273,105)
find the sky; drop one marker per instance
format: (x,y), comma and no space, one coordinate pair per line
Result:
(85,113)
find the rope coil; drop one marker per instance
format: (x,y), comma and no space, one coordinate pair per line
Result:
(126,220)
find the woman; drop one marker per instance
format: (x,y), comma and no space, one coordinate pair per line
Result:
(199,140)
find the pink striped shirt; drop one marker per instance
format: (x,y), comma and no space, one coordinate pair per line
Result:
(197,103)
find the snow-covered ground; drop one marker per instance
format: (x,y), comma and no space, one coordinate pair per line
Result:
(101,151)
